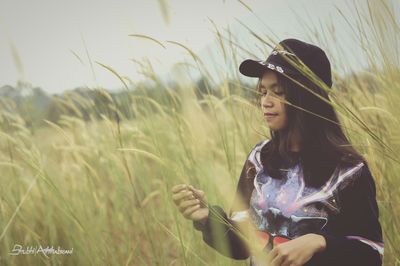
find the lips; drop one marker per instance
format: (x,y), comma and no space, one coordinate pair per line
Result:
(270,114)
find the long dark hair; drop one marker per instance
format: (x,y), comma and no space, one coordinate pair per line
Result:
(324,146)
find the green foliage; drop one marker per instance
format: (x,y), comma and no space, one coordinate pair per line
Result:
(92,170)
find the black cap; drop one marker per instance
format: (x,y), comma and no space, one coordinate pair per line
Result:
(285,58)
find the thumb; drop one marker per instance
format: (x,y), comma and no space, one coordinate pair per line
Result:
(198,192)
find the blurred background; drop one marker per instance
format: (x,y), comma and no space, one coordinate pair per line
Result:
(105,105)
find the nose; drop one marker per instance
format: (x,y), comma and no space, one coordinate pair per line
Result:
(267,101)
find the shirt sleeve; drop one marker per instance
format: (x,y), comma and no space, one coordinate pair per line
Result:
(361,242)
(222,232)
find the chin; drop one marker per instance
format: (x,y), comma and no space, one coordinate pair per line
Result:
(274,127)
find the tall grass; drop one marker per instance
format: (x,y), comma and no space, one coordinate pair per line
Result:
(103,188)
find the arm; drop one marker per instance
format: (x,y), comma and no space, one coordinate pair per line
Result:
(361,243)
(219,235)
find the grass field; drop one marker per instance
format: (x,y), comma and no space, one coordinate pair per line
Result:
(103,187)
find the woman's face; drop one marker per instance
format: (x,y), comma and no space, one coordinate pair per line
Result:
(272,101)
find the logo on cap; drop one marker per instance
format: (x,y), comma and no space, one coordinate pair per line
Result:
(272,66)
(284,52)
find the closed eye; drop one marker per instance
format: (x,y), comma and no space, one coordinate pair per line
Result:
(264,93)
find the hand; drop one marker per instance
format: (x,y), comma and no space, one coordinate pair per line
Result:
(296,252)
(191,202)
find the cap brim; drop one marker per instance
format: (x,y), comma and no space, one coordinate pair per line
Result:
(252,68)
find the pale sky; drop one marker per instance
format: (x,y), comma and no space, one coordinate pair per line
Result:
(48,36)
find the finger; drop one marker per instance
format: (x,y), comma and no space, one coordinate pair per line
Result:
(188,203)
(178,188)
(197,192)
(271,256)
(190,210)
(287,263)
(273,253)
(186,194)
(277,261)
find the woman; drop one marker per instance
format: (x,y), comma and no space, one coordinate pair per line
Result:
(309,194)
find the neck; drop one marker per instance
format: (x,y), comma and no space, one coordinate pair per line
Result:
(295,148)
(295,142)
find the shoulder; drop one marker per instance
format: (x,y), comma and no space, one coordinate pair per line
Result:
(259,145)
(358,202)
(366,180)
(254,155)
(359,180)
(253,160)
